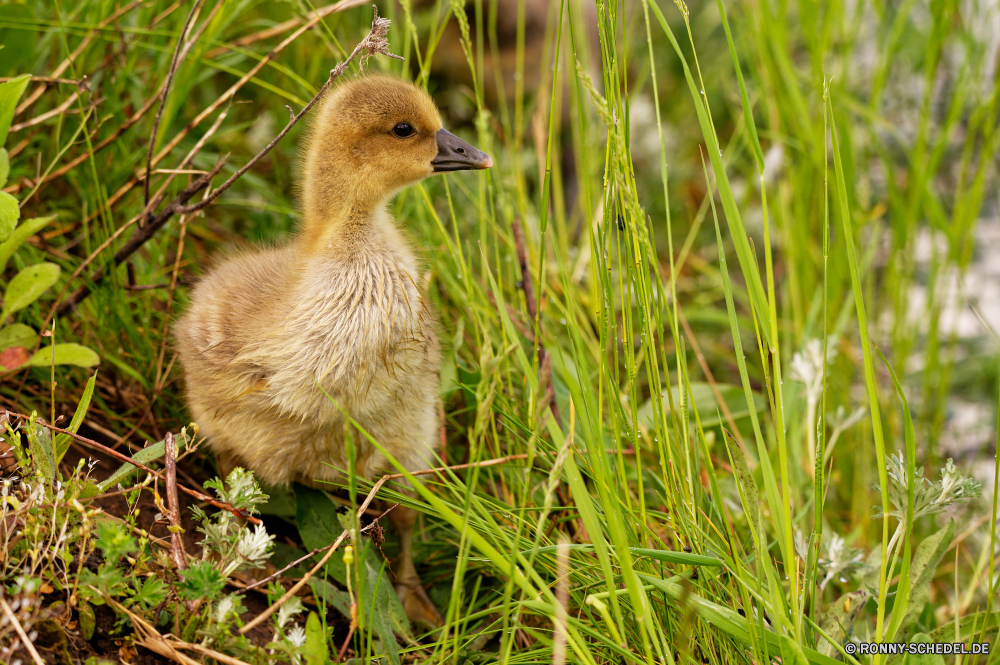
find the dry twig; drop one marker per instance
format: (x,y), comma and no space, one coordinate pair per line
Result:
(173,505)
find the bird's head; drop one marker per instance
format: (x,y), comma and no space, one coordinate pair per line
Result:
(375,135)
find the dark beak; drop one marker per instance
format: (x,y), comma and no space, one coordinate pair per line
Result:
(454,154)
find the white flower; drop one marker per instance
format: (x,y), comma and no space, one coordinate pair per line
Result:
(224,609)
(287,611)
(297,636)
(254,546)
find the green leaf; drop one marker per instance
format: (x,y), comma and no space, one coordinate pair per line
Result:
(62,440)
(201,580)
(40,445)
(10,92)
(839,617)
(153,591)
(4,166)
(64,354)
(25,230)
(114,542)
(922,570)
(670,556)
(315,649)
(791,652)
(17,334)
(28,286)
(316,516)
(10,212)
(922,659)
(88,620)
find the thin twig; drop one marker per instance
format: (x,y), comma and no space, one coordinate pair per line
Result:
(174,62)
(173,505)
(347,641)
(243,514)
(544,364)
(20,631)
(256,621)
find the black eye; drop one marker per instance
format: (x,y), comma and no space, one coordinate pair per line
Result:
(403,130)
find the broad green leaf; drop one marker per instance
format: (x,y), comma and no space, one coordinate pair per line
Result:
(27,286)
(791,652)
(10,92)
(317,519)
(922,570)
(88,620)
(4,166)
(10,212)
(40,445)
(25,230)
(62,440)
(17,334)
(379,607)
(923,659)
(839,617)
(315,649)
(65,354)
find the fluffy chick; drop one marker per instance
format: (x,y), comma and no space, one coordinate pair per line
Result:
(278,343)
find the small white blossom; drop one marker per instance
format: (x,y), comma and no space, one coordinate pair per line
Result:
(288,611)
(297,636)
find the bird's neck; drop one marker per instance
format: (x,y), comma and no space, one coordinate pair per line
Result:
(335,206)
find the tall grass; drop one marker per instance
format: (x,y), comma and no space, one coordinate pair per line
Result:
(697,471)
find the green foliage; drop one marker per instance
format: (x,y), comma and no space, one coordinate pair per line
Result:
(930,498)
(9,214)
(202,580)
(10,92)
(315,650)
(114,542)
(240,547)
(64,354)
(318,523)
(27,286)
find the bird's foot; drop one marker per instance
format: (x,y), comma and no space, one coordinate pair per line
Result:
(418,606)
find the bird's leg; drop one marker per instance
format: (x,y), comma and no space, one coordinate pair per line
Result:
(224,465)
(409,588)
